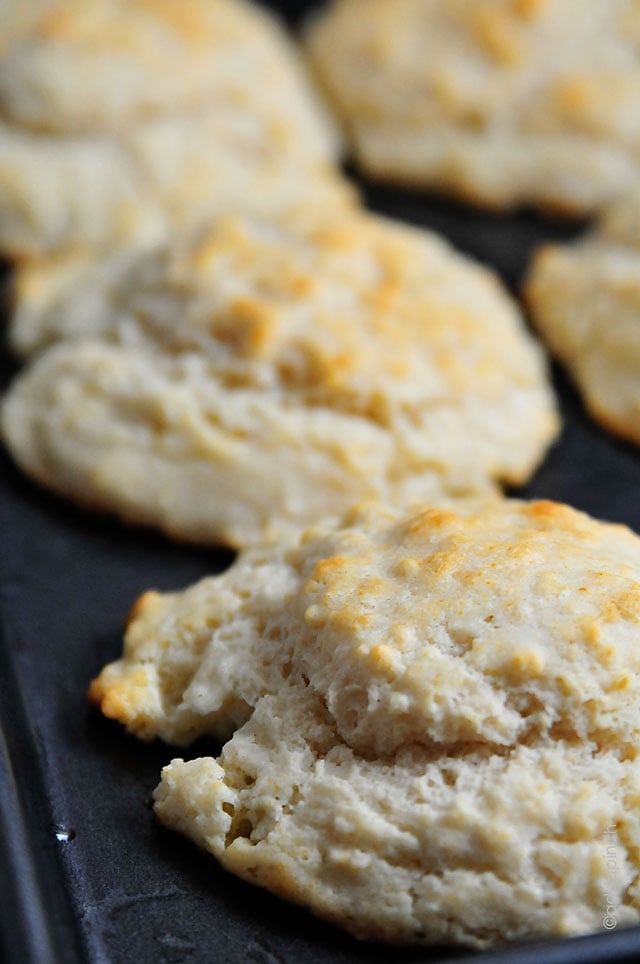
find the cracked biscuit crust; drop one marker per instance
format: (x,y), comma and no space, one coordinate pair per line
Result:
(264,376)
(502,102)
(585,302)
(432,719)
(152,115)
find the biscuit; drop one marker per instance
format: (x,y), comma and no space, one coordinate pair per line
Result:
(585,301)
(501,103)
(124,120)
(432,719)
(263,376)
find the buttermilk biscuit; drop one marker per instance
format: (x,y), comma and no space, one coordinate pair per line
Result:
(585,301)
(122,120)
(501,102)
(265,376)
(436,719)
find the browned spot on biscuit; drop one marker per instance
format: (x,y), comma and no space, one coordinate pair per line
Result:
(144,604)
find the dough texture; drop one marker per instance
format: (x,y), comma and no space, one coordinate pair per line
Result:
(502,103)
(122,121)
(432,719)
(264,376)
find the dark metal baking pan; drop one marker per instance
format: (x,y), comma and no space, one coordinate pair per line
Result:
(86,874)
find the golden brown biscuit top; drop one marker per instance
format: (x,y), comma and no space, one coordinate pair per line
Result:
(487,624)
(362,315)
(500,625)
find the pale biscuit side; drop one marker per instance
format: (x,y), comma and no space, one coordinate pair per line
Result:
(585,301)
(477,849)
